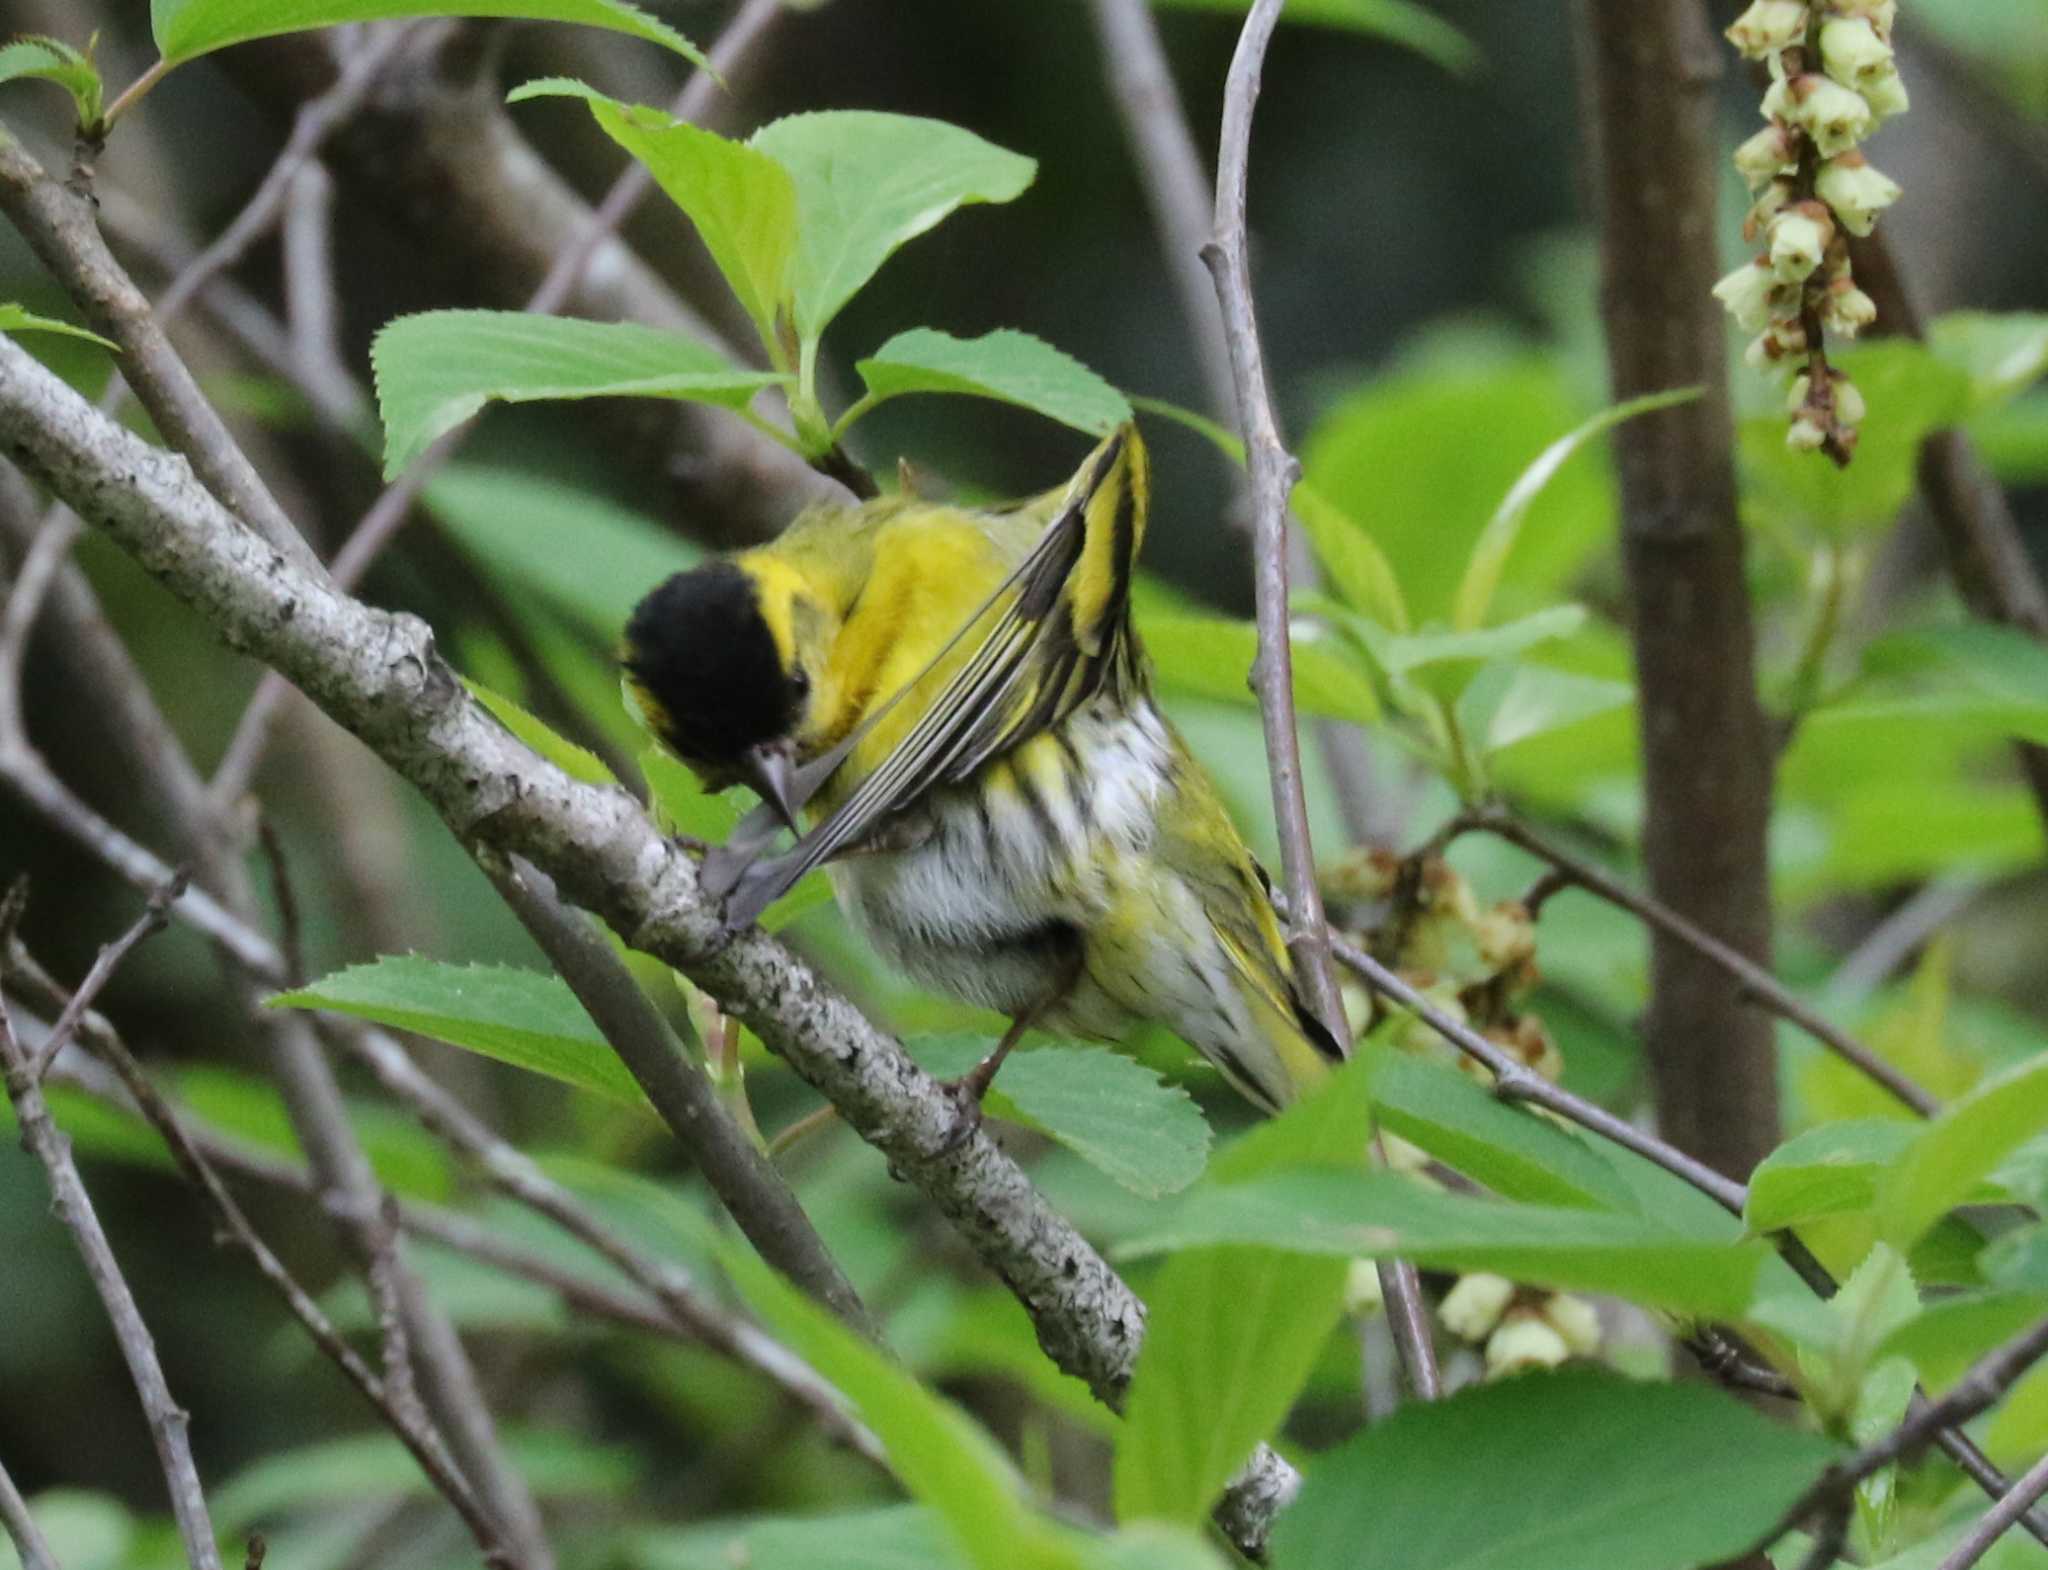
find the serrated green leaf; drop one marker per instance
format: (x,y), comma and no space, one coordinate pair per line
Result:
(742,202)
(585,555)
(556,1464)
(186,29)
(1606,1472)
(35,56)
(515,1016)
(1382,1215)
(1399,21)
(1483,568)
(1112,1112)
(1509,1149)
(1831,1170)
(1212,656)
(1232,1332)
(1952,1153)
(1007,365)
(19,319)
(946,1460)
(868,182)
(435,369)
(1945,1338)
(579,763)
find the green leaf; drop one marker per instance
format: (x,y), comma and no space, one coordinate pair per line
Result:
(894,1537)
(742,202)
(1951,1154)
(1212,656)
(19,319)
(1909,392)
(1474,596)
(438,368)
(1445,661)
(85,1531)
(1351,558)
(2002,352)
(1510,1149)
(1556,1471)
(1232,1333)
(1508,702)
(1112,1112)
(1944,1339)
(368,1466)
(585,555)
(579,763)
(1997,676)
(865,184)
(36,56)
(1831,1170)
(946,1461)
(1382,1215)
(1399,21)
(1007,365)
(516,1016)
(185,29)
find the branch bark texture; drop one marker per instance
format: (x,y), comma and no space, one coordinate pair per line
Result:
(1647,69)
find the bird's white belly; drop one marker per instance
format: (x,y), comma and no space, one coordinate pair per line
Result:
(1002,878)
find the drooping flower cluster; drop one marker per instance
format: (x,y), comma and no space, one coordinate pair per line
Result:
(1833,81)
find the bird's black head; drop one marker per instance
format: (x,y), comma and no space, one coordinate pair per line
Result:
(710,675)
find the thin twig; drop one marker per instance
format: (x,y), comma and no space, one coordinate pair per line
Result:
(1830,1539)
(406,1419)
(388,513)
(1761,986)
(22,1530)
(167,1420)
(2008,1512)
(150,922)
(1273,474)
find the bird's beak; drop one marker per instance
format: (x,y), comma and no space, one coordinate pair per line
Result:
(770,772)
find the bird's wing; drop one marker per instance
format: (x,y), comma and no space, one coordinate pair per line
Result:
(1045,642)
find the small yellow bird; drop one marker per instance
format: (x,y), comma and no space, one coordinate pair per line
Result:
(958,702)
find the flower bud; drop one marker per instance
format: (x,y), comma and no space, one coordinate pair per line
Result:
(1473,1307)
(1525,1340)
(1795,395)
(1856,190)
(1777,343)
(1747,294)
(1504,935)
(1849,405)
(1768,26)
(1886,96)
(1836,117)
(1805,434)
(1576,1320)
(1362,1294)
(1775,198)
(1846,309)
(1799,236)
(1852,53)
(1765,156)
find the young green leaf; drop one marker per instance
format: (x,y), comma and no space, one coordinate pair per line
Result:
(186,29)
(1831,1170)
(582,553)
(1112,1112)
(1351,558)
(893,1537)
(19,319)
(1509,1149)
(579,763)
(1210,655)
(516,1016)
(948,1462)
(1009,366)
(2002,352)
(1508,702)
(865,184)
(1474,596)
(1380,1214)
(742,202)
(35,56)
(1231,1333)
(1398,21)
(1945,1338)
(1553,1471)
(1948,1157)
(436,369)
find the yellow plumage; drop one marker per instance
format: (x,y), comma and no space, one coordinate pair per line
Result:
(958,701)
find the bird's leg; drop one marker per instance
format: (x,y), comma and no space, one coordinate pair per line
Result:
(969,1089)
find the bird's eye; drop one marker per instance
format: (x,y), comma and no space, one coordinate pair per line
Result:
(800,679)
